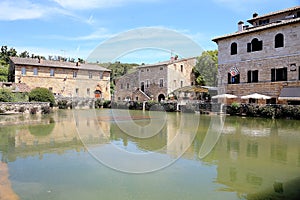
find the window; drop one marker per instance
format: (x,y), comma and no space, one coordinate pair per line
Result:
(74,74)
(23,71)
(233,79)
(279,74)
(88,91)
(90,75)
(233,49)
(101,75)
(263,22)
(77,91)
(252,76)
(127,85)
(181,83)
(147,83)
(35,71)
(279,40)
(52,72)
(161,82)
(181,68)
(161,68)
(255,45)
(121,85)
(147,70)
(143,86)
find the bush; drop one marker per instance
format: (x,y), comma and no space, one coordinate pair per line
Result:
(62,104)
(33,111)
(21,109)
(42,95)
(98,103)
(107,104)
(6,95)
(46,110)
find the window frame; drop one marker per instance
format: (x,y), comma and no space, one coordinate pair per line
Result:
(35,71)
(233,48)
(23,71)
(52,72)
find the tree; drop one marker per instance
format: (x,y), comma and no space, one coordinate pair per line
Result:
(206,69)
(6,95)
(24,54)
(3,73)
(42,95)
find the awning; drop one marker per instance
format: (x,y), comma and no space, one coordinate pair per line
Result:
(290,93)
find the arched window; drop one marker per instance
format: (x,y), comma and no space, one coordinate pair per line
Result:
(233,48)
(279,40)
(256,45)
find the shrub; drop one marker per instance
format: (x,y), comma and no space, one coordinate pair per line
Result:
(46,110)
(33,111)
(107,104)
(98,103)
(62,104)
(21,109)
(42,95)
(6,95)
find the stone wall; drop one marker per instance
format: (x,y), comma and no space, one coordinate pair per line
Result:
(24,107)
(264,61)
(64,83)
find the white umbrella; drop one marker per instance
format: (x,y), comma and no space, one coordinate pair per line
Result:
(255,96)
(224,96)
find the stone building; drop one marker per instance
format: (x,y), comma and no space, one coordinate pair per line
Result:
(262,57)
(155,81)
(62,78)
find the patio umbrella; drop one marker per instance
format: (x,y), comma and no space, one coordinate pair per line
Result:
(255,96)
(224,96)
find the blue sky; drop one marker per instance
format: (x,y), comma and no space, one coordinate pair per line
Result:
(74,28)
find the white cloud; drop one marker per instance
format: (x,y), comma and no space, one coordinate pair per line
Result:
(92,4)
(99,34)
(10,10)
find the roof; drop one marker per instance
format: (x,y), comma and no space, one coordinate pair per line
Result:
(166,62)
(56,64)
(290,93)
(274,13)
(258,28)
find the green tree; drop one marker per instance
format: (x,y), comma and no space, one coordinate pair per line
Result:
(42,95)
(3,73)
(6,95)
(24,54)
(206,69)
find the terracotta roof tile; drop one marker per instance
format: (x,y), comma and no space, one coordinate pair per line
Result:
(56,64)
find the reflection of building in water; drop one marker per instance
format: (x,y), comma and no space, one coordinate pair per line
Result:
(6,191)
(180,135)
(62,132)
(250,163)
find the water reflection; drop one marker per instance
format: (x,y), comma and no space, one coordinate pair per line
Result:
(254,158)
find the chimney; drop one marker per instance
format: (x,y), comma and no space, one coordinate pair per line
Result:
(254,15)
(77,64)
(240,26)
(39,59)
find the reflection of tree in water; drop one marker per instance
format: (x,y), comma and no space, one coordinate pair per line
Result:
(42,129)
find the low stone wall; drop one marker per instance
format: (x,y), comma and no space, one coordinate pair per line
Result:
(22,107)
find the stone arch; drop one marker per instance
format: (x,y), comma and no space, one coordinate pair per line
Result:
(161,97)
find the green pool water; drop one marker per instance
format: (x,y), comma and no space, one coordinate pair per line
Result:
(102,154)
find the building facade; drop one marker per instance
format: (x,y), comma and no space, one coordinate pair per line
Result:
(155,81)
(263,57)
(62,78)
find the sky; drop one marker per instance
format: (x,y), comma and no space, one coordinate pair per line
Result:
(78,28)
